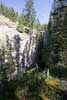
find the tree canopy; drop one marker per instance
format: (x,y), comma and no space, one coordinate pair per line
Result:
(28,16)
(8,12)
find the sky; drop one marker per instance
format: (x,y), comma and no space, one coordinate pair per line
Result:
(42,7)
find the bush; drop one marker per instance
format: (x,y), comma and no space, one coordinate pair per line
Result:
(32,85)
(29,85)
(60,72)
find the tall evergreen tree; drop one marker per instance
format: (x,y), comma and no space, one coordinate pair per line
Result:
(57,36)
(29,13)
(28,16)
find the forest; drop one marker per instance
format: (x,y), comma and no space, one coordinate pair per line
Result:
(41,74)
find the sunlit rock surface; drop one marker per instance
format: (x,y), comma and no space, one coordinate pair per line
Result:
(23,45)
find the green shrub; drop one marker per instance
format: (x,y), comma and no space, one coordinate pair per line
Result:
(32,85)
(60,72)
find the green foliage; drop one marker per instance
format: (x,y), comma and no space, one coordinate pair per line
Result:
(7,86)
(29,13)
(55,49)
(51,52)
(21,23)
(30,80)
(8,12)
(30,85)
(60,72)
(28,16)
(33,86)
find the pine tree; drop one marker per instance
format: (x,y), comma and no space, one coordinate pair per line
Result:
(29,13)
(27,17)
(57,37)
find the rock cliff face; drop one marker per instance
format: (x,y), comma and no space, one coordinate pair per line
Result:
(21,45)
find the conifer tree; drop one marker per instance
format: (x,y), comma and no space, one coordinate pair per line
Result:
(28,16)
(57,37)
